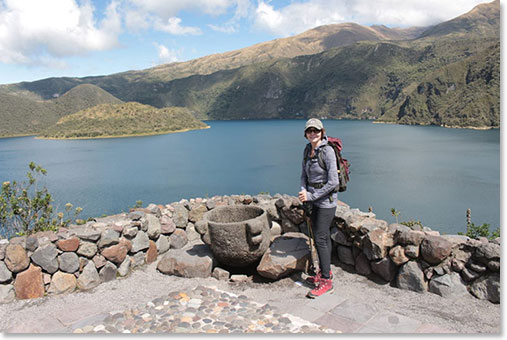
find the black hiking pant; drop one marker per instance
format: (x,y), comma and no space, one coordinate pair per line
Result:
(321,224)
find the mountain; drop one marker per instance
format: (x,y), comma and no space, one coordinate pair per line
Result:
(24,114)
(121,120)
(407,76)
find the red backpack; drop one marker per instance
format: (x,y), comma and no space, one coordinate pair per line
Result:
(342,165)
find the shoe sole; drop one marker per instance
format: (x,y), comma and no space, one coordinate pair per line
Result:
(309,295)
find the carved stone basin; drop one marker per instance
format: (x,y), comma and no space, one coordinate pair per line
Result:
(238,235)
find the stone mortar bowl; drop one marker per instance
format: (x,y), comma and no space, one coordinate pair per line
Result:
(238,235)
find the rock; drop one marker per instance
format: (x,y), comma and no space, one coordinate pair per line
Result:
(31,243)
(476,267)
(376,244)
(487,252)
(7,294)
(240,278)
(99,261)
(385,268)
(162,244)
(154,228)
(369,224)
(494,266)
(288,253)
(130,231)
(138,259)
(409,237)
(362,265)
(434,249)
(194,262)
(136,215)
(108,272)
(68,262)
(154,209)
(89,235)
(71,244)
(108,237)
(288,226)
(178,239)
(197,213)
(45,257)
(3,246)
(62,283)
(140,242)
(192,234)
(180,216)
(339,237)
(211,204)
(167,225)
(469,275)
(294,215)
(220,274)
(487,288)
(16,258)
(411,277)
(89,278)
(126,243)
(87,249)
(275,230)
(5,273)
(124,268)
(29,283)
(397,254)
(345,255)
(152,253)
(412,251)
(448,286)
(116,253)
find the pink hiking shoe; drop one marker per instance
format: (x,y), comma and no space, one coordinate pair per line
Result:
(314,280)
(324,286)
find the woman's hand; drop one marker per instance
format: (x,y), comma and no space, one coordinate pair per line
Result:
(302,196)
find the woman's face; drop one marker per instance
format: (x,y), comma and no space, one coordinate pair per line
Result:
(313,135)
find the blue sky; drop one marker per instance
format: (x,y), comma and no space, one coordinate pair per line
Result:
(54,38)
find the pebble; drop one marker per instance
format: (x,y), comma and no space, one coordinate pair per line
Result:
(202,310)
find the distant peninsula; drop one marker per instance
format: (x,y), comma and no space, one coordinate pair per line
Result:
(122,120)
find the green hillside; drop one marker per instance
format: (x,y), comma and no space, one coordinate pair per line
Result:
(122,120)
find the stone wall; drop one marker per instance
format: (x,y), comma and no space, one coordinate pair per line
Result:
(81,257)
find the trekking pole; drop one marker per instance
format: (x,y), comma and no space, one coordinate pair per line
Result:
(313,251)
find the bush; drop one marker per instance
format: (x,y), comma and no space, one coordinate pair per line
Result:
(26,209)
(475,232)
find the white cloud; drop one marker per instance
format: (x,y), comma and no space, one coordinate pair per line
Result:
(173,26)
(166,55)
(303,15)
(33,31)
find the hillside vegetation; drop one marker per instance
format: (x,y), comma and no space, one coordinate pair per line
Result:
(447,75)
(120,120)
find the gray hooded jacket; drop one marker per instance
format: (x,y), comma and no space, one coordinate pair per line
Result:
(313,173)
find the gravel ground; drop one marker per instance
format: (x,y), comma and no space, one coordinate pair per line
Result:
(464,315)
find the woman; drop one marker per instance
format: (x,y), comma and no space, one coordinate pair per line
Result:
(318,189)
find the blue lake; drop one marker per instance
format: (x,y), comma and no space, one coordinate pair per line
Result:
(428,173)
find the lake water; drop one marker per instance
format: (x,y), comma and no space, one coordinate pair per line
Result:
(428,173)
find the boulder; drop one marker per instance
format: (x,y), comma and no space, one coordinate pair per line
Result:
(397,254)
(411,277)
(16,258)
(62,283)
(288,226)
(409,237)
(469,275)
(448,286)
(293,215)
(220,274)
(345,255)
(178,239)
(31,243)
(5,273)
(339,237)
(154,227)
(152,253)
(197,213)
(116,253)
(487,252)
(130,231)
(288,253)
(362,265)
(377,243)
(87,249)
(71,244)
(180,216)
(45,257)
(140,242)
(99,261)
(385,268)
(29,283)
(487,288)
(412,251)
(108,237)
(68,262)
(194,262)
(434,249)
(7,293)
(167,225)
(108,272)
(192,234)
(89,278)
(124,267)
(162,244)
(89,235)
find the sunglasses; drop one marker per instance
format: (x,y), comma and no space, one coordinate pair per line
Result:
(312,130)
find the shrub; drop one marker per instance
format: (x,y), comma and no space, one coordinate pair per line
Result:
(26,209)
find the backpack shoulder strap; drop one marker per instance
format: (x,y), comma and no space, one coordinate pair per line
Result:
(306,154)
(320,157)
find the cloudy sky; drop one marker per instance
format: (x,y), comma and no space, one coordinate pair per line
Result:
(54,38)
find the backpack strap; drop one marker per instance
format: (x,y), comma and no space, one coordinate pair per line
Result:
(321,159)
